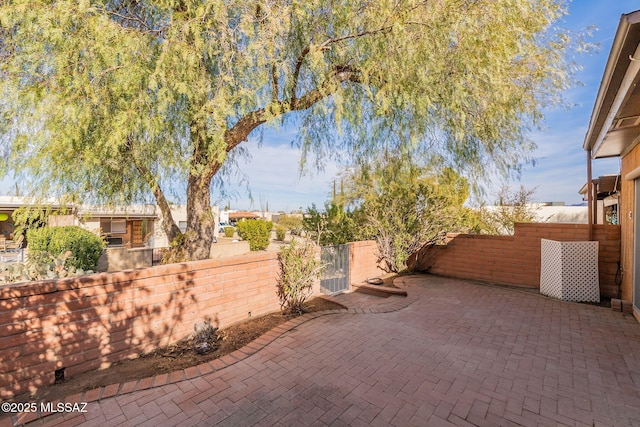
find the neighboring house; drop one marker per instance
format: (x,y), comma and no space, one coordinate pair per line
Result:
(550,212)
(132,226)
(9,204)
(235,216)
(606,199)
(614,131)
(560,213)
(129,226)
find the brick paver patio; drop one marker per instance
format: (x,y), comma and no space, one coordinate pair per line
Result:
(451,353)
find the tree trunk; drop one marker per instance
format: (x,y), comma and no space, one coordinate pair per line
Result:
(168,224)
(201,227)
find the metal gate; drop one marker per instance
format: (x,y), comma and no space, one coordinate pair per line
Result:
(335,276)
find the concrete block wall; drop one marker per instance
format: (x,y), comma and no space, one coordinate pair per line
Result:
(118,259)
(515,260)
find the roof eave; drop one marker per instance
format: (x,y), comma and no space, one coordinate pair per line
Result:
(611,82)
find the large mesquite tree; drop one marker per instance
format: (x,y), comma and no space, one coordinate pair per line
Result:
(114,100)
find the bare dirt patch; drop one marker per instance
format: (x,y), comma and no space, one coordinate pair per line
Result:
(172,358)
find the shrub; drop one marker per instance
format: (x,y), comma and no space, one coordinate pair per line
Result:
(256,232)
(281,232)
(292,223)
(229,231)
(85,246)
(27,218)
(176,252)
(40,265)
(299,268)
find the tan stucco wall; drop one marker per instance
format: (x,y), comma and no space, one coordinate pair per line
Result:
(118,259)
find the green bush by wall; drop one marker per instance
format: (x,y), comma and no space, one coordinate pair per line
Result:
(229,231)
(256,232)
(85,246)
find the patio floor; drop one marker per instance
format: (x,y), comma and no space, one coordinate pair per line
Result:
(451,353)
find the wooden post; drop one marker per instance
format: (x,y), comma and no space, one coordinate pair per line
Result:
(590,204)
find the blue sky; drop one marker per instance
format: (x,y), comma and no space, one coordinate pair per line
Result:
(273,175)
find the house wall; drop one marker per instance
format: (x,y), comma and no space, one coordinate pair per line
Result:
(62,220)
(515,260)
(91,224)
(626,214)
(90,322)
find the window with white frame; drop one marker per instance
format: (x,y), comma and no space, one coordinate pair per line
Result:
(113,226)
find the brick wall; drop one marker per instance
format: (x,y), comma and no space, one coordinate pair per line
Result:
(515,260)
(363,261)
(90,322)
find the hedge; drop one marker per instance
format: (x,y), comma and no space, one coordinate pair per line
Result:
(256,232)
(85,246)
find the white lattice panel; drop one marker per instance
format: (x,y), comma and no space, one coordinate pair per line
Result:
(569,270)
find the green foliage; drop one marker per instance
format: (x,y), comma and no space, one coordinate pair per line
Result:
(27,218)
(40,266)
(333,226)
(112,100)
(299,268)
(281,233)
(176,252)
(510,207)
(257,232)
(292,223)
(84,246)
(229,231)
(404,205)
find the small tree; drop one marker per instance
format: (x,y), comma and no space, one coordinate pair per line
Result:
(27,218)
(404,205)
(333,226)
(510,207)
(299,268)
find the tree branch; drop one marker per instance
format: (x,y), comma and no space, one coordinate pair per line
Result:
(137,22)
(168,224)
(296,71)
(247,123)
(324,46)
(274,84)
(328,42)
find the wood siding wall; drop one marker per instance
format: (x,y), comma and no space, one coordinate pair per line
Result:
(627,215)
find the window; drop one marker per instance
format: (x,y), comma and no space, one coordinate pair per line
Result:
(118,226)
(113,226)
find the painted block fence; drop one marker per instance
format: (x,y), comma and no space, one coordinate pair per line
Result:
(515,260)
(90,322)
